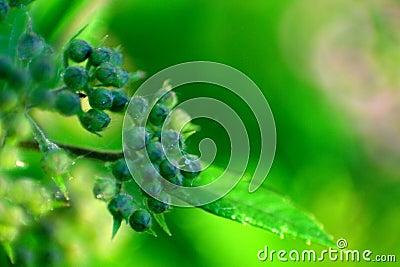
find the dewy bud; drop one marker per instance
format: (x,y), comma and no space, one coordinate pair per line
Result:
(30,45)
(122,78)
(149,172)
(104,189)
(155,151)
(100,98)
(140,220)
(158,114)
(137,138)
(67,103)
(168,169)
(94,120)
(119,100)
(56,162)
(121,206)
(120,170)
(79,50)
(138,107)
(75,77)
(100,55)
(106,73)
(169,99)
(116,58)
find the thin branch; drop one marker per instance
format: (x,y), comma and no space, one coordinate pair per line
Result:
(78,151)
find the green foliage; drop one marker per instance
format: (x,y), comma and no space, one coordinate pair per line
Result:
(268,210)
(36,76)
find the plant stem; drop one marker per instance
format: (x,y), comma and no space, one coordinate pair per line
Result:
(78,151)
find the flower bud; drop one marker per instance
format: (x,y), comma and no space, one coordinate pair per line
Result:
(140,220)
(171,140)
(137,138)
(119,100)
(176,180)
(75,77)
(104,189)
(153,188)
(155,151)
(168,169)
(169,99)
(116,58)
(29,46)
(106,73)
(94,120)
(122,78)
(78,50)
(100,98)
(158,114)
(120,170)
(138,107)
(56,162)
(67,103)
(100,55)
(149,172)
(121,206)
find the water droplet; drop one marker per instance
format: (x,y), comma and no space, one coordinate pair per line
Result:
(20,164)
(233,217)
(308,242)
(282,236)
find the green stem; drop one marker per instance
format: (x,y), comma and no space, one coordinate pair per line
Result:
(78,151)
(44,144)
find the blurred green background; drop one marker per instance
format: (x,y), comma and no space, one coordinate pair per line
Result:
(329,70)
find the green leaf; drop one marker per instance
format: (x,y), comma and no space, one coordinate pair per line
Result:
(267,210)
(10,31)
(60,182)
(160,219)
(116,226)
(9,252)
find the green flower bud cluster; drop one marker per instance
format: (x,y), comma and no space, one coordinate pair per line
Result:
(122,205)
(102,81)
(31,50)
(27,67)
(147,149)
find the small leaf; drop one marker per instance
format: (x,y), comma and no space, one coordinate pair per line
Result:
(9,251)
(268,210)
(116,226)
(160,219)
(60,182)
